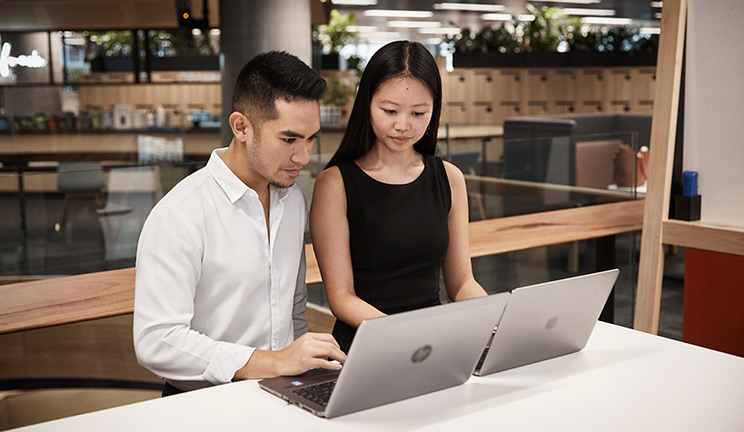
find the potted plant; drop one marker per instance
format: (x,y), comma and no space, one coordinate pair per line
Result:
(551,40)
(110,51)
(334,36)
(333,104)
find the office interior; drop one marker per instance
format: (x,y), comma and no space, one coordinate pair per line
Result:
(106,105)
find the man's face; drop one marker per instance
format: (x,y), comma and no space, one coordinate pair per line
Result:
(282,146)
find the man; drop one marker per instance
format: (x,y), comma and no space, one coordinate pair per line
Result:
(220,287)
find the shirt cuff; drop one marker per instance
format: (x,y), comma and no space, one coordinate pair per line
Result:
(226,360)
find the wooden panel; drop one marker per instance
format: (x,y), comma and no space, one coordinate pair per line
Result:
(455,113)
(100,349)
(534,108)
(61,300)
(185,97)
(561,226)
(507,109)
(619,84)
(699,235)
(453,86)
(663,134)
(508,85)
(590,88)
(562,85)
(482,86)
(644,84)
(535,86)
(483,113)
(562,107)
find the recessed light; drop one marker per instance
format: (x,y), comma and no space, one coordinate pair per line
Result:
(440,30)
(606,21)
(398,13)
(649,30)
(657,4)
(496,17)
(414,24)
(571,1)
(588,12)
(363,29)
(470,7)
(354,2)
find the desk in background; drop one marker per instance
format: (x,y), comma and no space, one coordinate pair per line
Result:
(623,380)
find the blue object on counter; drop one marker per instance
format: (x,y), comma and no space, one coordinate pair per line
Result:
(689,183)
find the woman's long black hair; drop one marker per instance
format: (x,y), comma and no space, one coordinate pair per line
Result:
(397,59)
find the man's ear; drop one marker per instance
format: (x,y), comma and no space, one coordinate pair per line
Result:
(241,127)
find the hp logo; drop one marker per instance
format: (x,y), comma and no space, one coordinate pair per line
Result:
(421,354)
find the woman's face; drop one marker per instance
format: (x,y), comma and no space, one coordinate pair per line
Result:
(401,110)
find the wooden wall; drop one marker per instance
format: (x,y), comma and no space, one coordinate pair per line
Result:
(489,95)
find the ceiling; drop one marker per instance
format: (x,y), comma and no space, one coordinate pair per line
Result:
(27,15)
(641,11)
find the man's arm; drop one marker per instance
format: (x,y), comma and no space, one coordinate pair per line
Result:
(300,300)
(168,266)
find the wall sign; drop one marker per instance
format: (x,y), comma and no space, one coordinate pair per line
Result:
(7,61)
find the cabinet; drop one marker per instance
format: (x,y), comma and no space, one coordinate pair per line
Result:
(488,95)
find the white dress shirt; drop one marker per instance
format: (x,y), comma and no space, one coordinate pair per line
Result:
(212,285)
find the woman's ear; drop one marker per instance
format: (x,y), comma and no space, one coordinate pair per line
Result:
(242,128)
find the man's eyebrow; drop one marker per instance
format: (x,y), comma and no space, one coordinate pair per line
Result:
(293,134)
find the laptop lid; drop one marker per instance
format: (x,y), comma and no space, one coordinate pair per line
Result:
(548,320)
(401,356)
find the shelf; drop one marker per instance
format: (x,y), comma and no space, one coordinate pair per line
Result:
(701,235)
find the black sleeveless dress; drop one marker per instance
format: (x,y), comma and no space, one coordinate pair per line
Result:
(398,237)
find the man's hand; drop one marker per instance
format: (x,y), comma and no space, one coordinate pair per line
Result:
(309,351)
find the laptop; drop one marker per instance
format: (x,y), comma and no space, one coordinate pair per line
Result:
(397,357)
(547,320)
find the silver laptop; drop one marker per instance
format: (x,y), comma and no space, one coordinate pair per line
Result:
(547,320)
(398,357)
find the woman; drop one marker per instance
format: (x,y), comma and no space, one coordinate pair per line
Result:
(387,214)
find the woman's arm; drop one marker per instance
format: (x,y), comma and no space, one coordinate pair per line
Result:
(329,228)
(457,268)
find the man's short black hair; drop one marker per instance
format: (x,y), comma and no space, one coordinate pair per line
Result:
(270,76)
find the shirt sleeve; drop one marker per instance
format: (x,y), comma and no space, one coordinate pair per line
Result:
(168,266)
(300,300)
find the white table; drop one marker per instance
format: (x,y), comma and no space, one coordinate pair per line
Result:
(622,380)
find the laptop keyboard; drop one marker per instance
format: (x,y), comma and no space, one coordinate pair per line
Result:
(317,393)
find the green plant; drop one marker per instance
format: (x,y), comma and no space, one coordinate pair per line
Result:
(542,33)
(338,93)
(108,44)
(549,30)
(336,34)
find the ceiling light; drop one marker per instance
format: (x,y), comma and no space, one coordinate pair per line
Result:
(526,17)
(382,35)
(398,13)
(496,17)
(649,30)
(440,30)
(657,15)
(657,4)
(606,21)
(362,29)
(414,24)
(571,1)
(354,2)
(588,12)
(471,7)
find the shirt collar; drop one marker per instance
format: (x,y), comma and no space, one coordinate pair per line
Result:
(230,183)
